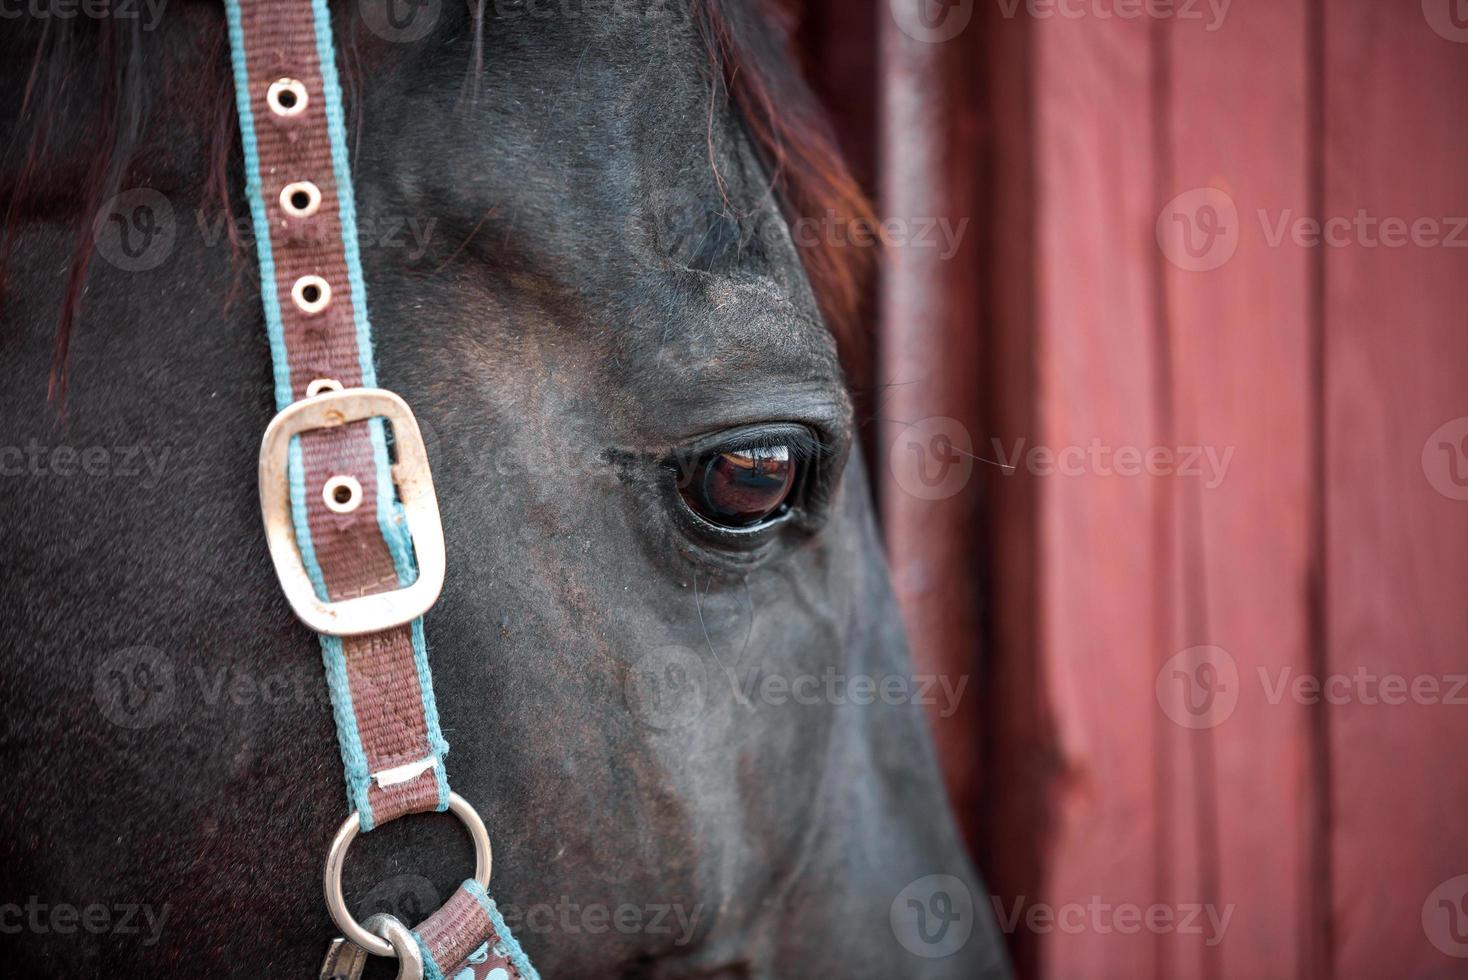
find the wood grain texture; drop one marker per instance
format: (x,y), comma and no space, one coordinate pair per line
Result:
(1238,815)
(1098,557)
(1072,799)
(1396,551)
(1331,546)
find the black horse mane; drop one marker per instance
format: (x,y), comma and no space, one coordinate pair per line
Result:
(77,129)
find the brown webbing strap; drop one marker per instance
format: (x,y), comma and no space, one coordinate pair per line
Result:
(348,501)
(382,718)
(455,934)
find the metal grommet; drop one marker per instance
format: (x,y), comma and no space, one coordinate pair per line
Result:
(300,199)
(319,385)
(404,946)
(331,878)
(342,494)
(311,294)
(286,97)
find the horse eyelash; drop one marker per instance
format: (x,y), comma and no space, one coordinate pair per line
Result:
(804,445)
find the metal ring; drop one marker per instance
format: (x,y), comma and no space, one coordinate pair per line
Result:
(404,946)
(318,385)
(286,97)
(331,879)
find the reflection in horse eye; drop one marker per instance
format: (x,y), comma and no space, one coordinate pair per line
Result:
(742,488)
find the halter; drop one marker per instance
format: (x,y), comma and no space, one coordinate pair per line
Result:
(350,512)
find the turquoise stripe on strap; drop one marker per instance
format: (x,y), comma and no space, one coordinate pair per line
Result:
(431,969)
(336,128)
(253,192)
(510,945)
(436,743)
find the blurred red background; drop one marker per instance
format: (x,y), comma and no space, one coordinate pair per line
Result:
(1207,297)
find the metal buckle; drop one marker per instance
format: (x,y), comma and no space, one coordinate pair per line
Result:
(360,614)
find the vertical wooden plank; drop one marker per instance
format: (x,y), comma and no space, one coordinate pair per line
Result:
(1077,552)
(1098,561)
(1238,807)
(928,352)
(1396,349)
(1020,760)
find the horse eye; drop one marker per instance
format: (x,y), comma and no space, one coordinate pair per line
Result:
(739,489)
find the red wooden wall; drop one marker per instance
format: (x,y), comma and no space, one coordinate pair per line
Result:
(1139,271)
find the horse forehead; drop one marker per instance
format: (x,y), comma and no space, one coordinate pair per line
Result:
(611,198)
(552,93)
